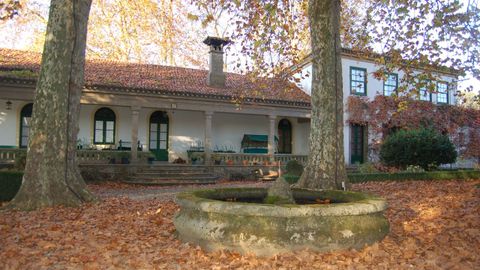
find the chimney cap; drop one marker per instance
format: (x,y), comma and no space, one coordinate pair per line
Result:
(216,41)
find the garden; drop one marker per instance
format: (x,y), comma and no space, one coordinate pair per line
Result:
(432,215)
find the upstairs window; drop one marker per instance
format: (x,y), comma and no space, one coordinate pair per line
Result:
(423,91)
(425,95)
(358,81)
(442,93)
(390,84)
(104,127)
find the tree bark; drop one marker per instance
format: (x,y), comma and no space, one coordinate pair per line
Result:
(51,174)
(325,168)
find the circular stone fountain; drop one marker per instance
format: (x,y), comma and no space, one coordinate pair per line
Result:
(236,219)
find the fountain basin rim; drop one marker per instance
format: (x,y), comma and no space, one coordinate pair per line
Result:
(199,200)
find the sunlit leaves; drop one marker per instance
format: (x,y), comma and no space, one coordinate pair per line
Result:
(9,9)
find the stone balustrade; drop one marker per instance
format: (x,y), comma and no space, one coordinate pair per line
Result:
(8,155)
(254,159)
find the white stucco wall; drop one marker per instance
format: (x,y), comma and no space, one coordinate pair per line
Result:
(300,137)
(85,134)
(10,122)
(228,129)
(187,128)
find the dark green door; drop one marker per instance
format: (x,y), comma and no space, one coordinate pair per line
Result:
(158,142)
(284,137)
(356,144)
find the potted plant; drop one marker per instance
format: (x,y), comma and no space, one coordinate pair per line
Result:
(125,157)
(196,158)
(217,160)
(149,156)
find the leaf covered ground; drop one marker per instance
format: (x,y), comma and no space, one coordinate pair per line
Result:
(434,225)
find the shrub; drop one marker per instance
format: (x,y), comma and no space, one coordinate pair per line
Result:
(294,168)
(10,183)
(423,147)
(291,179)
(179,160)
(414,168)
(367,168)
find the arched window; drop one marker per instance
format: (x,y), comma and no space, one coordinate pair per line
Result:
(25,117)
(104,122)
(284,137)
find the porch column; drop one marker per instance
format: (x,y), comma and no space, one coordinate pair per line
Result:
(208,137)
(135,111)
(271,136)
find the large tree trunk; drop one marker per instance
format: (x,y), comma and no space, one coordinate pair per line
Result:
(325,168)
(51,175)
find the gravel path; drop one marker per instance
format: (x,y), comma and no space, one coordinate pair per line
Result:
(163,193)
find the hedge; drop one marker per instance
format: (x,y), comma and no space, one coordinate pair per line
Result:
(403,176)
(9,184)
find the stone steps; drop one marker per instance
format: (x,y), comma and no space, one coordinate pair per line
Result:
(174,177)
(166,182)
(170,174)
(167,175)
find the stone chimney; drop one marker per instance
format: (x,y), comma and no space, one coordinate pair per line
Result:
(216,76)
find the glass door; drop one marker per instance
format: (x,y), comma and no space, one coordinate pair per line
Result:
(356,144)
(158,142)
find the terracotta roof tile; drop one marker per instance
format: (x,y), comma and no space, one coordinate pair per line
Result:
(113,74)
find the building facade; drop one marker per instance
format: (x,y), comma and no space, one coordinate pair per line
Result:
(171,111)
(358,80)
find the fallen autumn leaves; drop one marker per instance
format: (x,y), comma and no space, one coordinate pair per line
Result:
(434,225)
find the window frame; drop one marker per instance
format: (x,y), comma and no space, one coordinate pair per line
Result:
(446,93)
(364,70)
(103,128)
(396,84)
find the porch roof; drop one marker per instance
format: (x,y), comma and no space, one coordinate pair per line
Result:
(156,79)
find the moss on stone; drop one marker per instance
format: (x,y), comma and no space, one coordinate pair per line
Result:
(276,200)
